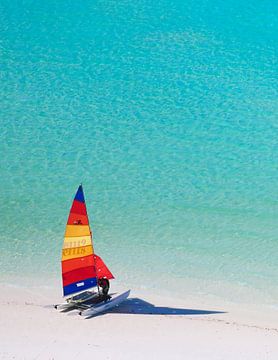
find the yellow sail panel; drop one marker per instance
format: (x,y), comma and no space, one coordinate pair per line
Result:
(77,241)
(73,253)
(77,230)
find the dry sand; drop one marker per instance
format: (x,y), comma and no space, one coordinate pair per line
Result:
(144,327)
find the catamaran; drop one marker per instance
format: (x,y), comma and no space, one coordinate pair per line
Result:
(82,269)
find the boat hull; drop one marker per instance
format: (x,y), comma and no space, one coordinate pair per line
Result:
(105,306)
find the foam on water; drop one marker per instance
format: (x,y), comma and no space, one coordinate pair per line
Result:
(167,112)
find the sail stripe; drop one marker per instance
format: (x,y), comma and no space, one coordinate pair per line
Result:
(77,219)
(77,230)
(80,286)
(78,275)
(77,263)
(78,208)
(72,253)
(77,241)
(79,196)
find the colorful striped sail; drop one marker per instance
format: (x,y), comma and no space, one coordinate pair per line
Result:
(78,262)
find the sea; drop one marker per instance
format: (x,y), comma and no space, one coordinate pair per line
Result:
(167,113)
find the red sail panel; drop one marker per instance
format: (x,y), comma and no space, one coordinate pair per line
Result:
(78,208)
(78,275)
(72,264)
(77,219)
(102,269)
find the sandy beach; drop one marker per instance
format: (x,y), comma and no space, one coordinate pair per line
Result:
(144,327)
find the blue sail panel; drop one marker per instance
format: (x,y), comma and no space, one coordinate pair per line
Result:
(79,196)
(80,286)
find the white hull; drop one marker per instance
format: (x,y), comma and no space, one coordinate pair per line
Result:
(104,306)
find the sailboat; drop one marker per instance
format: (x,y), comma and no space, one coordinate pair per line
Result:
(82,269)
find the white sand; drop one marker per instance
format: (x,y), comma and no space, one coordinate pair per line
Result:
(31,329)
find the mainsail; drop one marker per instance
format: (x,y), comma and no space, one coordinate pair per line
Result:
(80,266)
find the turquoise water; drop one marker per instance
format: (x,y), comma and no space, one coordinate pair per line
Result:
(167,112)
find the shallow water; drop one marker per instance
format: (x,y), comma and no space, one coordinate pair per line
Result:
(167,113)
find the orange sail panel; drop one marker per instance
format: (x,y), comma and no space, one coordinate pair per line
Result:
(78,267)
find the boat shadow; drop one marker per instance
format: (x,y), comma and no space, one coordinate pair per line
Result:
(142,307)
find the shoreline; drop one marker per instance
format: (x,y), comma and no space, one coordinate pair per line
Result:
(248,304)
(146,326)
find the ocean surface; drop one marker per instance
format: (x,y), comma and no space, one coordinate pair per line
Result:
(167,112)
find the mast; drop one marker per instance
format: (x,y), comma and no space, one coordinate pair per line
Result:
(95,267)
(91,235)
